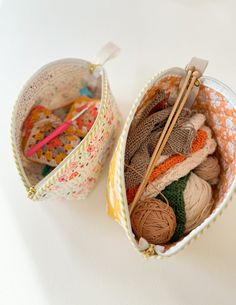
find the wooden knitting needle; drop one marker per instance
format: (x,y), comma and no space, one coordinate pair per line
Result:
(195,76)
(166,127)
(167,131)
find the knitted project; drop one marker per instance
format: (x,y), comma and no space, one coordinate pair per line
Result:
(181,169)
(154,124)
(196,121)
(156,103)
(174,194)
(197,144)
(142,140)
(148,98)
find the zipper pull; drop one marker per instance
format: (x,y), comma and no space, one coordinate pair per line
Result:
(108,52)
(150,251)
(31,192)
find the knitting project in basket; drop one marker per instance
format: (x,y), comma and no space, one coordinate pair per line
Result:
(215,107)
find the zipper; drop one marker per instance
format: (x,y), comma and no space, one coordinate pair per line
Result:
(35,191)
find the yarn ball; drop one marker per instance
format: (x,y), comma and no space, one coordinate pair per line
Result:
(198,201)
(208,170)
(153,220)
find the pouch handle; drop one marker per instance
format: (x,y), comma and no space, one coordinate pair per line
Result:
(106,53)
(200,65)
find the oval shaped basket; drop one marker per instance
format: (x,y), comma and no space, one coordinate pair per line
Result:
(77,174)
(218,103)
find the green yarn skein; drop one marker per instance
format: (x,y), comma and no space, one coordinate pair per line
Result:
(175,196)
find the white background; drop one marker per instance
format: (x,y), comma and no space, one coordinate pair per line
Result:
(69,253)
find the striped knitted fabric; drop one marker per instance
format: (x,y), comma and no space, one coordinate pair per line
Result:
(174,194)
(181,169)
(197,144)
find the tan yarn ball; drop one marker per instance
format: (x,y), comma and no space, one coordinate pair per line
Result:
(209,170)
(153,220)
(198,202)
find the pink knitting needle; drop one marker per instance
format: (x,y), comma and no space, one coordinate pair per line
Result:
(54,134)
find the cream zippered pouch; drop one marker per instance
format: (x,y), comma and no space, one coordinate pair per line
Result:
(53,86)
(217,103)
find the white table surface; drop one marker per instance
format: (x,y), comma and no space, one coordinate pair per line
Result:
(69,253)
